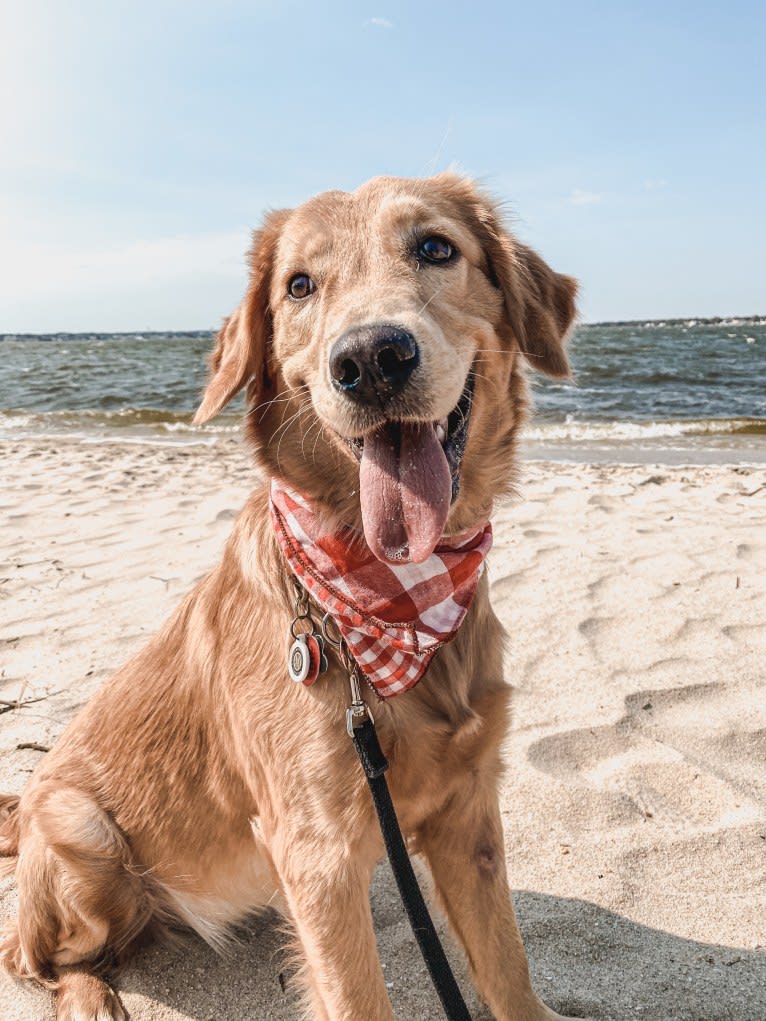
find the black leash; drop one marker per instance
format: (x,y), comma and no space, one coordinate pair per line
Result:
(375,764)
(361,729)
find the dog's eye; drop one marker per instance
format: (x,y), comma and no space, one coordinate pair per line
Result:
(300,286)
(436,249)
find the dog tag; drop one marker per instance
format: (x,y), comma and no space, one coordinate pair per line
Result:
(298,660)
(304,661)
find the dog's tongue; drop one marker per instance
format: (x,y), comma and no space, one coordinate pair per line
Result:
(405,490)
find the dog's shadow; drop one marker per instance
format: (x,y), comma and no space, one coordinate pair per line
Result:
(586,962)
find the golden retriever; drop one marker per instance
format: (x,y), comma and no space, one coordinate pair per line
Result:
(199,783)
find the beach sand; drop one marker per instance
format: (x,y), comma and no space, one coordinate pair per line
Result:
(635,796)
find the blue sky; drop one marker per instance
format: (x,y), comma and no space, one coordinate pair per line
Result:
(141,142)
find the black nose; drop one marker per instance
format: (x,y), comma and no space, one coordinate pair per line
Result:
(372,363)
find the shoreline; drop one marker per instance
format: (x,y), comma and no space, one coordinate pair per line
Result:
(636,456)
(750,453)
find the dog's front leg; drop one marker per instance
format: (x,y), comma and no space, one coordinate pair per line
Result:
(463,844)
(326,885)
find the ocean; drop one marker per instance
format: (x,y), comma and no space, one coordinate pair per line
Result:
(681,391)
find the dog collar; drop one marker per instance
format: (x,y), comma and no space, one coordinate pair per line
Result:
(393,617)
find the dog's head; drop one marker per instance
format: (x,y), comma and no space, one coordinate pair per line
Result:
(380,340)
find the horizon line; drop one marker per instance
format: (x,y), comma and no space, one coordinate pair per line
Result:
(201,331)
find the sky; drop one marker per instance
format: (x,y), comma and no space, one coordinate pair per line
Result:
(140,142)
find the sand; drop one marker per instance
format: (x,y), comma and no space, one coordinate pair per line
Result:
(634,800)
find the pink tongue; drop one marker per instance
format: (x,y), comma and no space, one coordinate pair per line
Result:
(405,490)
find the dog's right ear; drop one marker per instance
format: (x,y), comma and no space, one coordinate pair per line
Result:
(241,349)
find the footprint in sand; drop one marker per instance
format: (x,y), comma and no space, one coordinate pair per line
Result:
(607,504)
(600,632)
(678,758)
(696,629)
(749,634)
(750,551)
(601,586)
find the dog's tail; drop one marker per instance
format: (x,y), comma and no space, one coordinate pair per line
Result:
(9,833)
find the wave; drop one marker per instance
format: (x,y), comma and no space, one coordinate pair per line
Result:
(122,418)
(161,427)
(620,431)
(126,425)
(682,323)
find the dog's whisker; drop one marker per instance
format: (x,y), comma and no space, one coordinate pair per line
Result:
(294,395)
(508,351)
(285,409)
(488,379)
(317,424)
(284,426)
(319,435)
(436,293)
(286,423)
(279,399)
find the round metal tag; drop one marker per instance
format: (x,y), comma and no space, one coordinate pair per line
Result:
(305,659)
(298,660)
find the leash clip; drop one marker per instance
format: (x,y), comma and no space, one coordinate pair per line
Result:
(358,711)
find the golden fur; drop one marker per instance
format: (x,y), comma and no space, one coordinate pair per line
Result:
(184,791)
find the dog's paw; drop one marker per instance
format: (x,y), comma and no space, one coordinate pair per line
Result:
(85,997)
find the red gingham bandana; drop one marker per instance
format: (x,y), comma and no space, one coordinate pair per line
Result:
(392,616)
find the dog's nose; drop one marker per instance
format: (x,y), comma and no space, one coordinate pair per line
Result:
(372,363)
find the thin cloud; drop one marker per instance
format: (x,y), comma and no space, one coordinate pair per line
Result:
(381,23)
(45,270)
(584,198)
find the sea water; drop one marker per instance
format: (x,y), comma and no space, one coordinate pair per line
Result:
(686,391)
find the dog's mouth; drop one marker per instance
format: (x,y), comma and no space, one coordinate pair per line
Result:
(409,476)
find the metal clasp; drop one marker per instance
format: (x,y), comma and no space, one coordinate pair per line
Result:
(358,711)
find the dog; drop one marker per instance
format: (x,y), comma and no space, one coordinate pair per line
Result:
(381,343)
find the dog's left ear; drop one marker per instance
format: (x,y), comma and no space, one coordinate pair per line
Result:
(240,354)
(541,308)
(539,304)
